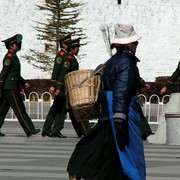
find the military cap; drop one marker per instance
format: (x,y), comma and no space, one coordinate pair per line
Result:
(14,39)
(74,43)
(65,39)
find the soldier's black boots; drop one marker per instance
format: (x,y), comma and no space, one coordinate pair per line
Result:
(2,134)
(33,132)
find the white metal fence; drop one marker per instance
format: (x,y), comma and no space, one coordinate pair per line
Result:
(38,106)
(153,106)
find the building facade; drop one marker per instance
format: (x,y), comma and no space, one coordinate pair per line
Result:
(158,22)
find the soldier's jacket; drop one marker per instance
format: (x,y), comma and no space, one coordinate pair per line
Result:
(10,76)
(69,64)
(142,84)
(174,77)
(60,57)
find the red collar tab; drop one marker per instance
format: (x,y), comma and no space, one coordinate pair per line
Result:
(62,53)
(10,54)
(70,57)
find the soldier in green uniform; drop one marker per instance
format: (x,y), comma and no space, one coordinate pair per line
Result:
(11,84)
(54,122)
(70,64)
(172,79)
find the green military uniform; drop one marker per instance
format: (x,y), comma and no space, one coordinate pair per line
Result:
(174,77)
(69,65)
(145,129)
(54,122)
(11,84)
(55,119)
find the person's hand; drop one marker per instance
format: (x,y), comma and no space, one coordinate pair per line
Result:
(22,91)
(51,90)
(148,86)
(163,90)
(27,85)
(122,134)
(57,92)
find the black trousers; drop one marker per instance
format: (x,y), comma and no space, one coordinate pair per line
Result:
(13,99)
(56,116)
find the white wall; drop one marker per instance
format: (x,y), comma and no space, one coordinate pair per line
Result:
(157,21)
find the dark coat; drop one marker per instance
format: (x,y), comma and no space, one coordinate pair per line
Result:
(121,76)
(59,59)
(10,76)
(69,64)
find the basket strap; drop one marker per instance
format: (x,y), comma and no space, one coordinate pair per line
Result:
(99,70)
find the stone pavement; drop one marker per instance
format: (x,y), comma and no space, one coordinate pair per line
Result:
(39,158)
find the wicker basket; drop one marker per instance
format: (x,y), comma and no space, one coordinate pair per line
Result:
(83,99)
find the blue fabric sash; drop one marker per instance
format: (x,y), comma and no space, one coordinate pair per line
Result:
(132,159)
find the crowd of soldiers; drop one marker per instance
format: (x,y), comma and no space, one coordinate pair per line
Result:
(12,85)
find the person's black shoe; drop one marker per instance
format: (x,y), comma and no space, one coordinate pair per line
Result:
(36,131)
(2,134)
(59,135)
(47,134)
(28,134)
(33,132)
(74,177)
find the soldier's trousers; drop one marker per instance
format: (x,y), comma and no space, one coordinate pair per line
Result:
(14,100)
(56,116)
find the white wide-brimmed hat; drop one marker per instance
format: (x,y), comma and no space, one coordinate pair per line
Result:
(125,34)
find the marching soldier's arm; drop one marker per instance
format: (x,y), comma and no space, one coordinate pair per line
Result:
(173,78)
(23,82)
(6,68)
(142,83)
(66,65)
(57,67)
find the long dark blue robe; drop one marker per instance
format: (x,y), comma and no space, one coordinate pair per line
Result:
(132,159)
(97,155)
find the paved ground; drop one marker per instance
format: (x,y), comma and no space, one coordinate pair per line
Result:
(38,158)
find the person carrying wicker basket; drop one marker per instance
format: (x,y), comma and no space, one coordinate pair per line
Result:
(113,148)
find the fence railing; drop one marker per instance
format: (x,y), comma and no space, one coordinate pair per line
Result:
(153,106)
(38,106)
